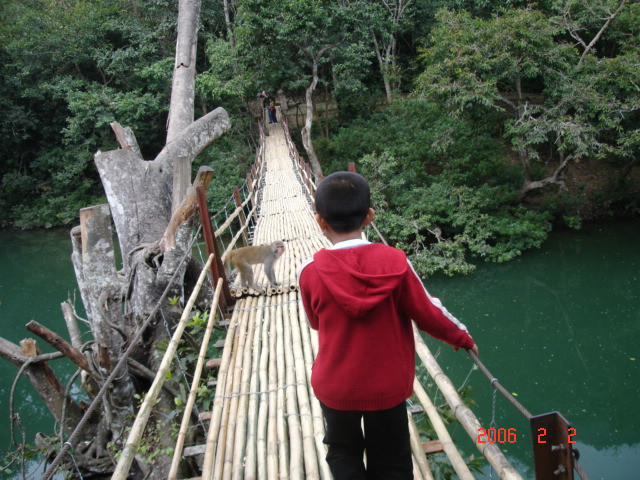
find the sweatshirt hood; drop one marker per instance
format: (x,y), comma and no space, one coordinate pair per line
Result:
(361,277)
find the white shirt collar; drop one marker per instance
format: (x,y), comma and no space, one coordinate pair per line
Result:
(355,242)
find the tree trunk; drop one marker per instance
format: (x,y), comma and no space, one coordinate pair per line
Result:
(182,95)
(184,74)
(227,21)
(383,63)
(307,142)
(102,292)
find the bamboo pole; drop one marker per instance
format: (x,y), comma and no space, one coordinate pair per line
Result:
(263,411)
(448,446)
(272,432)
(282,417)
(243,219)
(186,416)
(292,411)
(224,463)
(237,467)
(464,415)
(417,475)
(135,435)
(304,404)
(220,230)
(233,241)
(297,311)
(219,400)
(252,414)
(419,458)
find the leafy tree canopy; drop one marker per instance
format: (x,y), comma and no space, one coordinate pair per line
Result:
(495,103)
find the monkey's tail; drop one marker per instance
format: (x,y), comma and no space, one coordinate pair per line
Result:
(227,268)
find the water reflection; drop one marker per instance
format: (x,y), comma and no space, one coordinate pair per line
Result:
(560,328)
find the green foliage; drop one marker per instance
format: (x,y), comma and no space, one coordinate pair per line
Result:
(14,462)
(68,72)
(74,69)
(555,102)
(442,189)
(502,77)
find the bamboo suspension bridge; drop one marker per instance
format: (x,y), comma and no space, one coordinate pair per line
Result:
(265,422)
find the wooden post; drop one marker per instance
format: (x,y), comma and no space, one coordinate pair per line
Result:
(212,248)
(101,281)
(351,167)
(243,218)
(307,171)
(252,192)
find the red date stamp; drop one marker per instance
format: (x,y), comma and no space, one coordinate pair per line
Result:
(510,435)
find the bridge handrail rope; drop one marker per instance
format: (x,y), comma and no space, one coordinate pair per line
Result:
(234,240)
(135,435)
(303,167)
(465,416)
(73,438)
(496,384)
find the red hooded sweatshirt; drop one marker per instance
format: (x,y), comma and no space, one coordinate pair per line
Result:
(361,297)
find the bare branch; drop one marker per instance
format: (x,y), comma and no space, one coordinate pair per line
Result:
(602,30)
(186,209)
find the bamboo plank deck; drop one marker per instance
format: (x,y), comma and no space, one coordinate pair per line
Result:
(266,422)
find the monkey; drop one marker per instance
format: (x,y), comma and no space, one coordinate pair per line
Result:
(243,259)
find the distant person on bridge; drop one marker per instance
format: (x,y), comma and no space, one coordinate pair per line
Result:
(270,105)
(361,297)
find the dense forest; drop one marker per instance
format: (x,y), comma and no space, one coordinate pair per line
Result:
(480,124)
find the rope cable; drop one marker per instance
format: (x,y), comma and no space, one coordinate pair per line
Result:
(496,384)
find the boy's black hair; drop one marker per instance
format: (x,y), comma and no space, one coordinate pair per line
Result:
(343,199)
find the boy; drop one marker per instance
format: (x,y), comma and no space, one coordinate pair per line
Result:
(361,297)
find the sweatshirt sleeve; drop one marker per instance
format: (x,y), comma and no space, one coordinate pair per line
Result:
(429,314)
(305,293)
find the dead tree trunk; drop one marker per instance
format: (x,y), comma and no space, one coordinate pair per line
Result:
(147,202)
(307,142)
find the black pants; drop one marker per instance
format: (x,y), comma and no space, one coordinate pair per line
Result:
(385,439)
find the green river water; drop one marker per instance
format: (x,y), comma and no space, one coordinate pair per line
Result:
(559,328)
